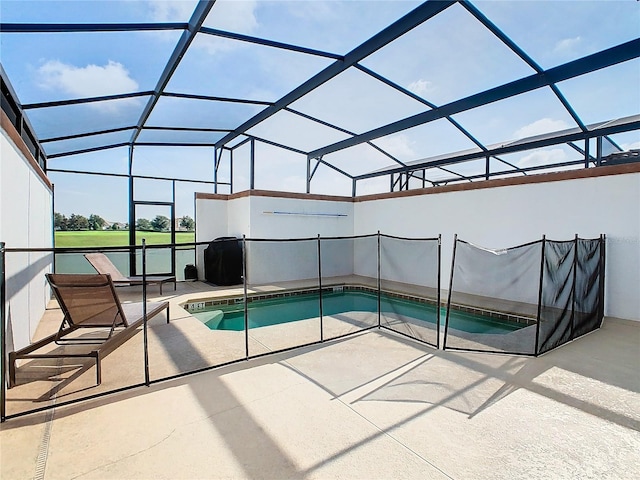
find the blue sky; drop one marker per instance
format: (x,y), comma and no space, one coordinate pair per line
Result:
(447,58)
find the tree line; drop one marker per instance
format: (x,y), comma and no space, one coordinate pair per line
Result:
(95,222)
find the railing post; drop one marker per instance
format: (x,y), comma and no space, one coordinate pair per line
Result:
(453,264)
(379,284)
(539,314)
(144,313)
(320,290)
(603,244)
(246,308)
(573,286)
(3,332)
(438,293)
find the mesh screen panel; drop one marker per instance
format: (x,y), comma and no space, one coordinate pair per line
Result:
(493,298)
(557,295)
(572,293)
(210,340)
(589,305)
(409,282)
(349,280)
(283,301)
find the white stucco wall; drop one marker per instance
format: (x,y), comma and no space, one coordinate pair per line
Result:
(26,210)
(512,215)
(273,217)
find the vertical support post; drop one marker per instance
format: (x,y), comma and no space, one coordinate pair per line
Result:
(3,332)
(252,165)
(603,245)
(231,171)
(308,175)
(173,227)
(53,224)
(539,314)
(132,217)
(246,307)
(598,151)
(391,184)
(215,169)
(453,264)
(487,168)
(320,290)
(379,282)
(586,152)
(438,294)
(353,187)
(144,313)
(573,286)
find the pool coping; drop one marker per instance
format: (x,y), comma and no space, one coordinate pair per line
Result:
(199,305)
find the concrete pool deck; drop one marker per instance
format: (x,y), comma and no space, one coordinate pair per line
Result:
(374,405)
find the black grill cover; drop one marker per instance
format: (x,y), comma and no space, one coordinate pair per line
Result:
(223,261)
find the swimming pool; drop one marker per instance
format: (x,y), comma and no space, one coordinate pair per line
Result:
(285,309)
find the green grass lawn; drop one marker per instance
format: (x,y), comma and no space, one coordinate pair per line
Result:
(116,238)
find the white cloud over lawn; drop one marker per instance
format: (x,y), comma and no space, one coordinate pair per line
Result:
(88,81)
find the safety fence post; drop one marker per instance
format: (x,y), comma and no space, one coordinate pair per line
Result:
(246,307)
(320,289)
(539,314)
(446,319)
(144,313)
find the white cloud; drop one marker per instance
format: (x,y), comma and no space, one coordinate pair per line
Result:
(235,16)
(90,81)
(543,157)
(544,125)
(400,146)
(630,146)
(420,87)
(567,45)
(230,15)
(172,11)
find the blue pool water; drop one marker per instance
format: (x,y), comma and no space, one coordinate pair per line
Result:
(290,309)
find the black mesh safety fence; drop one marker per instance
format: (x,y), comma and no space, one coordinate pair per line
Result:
(493,298)
(572,297)
(282,308)
(349,279)
(410,287)
(589,296)
(556,300)
(527,299)
(290,293)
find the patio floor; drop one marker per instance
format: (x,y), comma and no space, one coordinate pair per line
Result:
(373,405)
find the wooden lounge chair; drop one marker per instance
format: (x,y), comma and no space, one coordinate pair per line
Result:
(102,264)
(88,302)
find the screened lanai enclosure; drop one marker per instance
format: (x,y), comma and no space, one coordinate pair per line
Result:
(154,100)
(174,110)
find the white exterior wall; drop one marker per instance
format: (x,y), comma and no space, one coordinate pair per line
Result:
(26,210)
(300,218)
(508,216)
